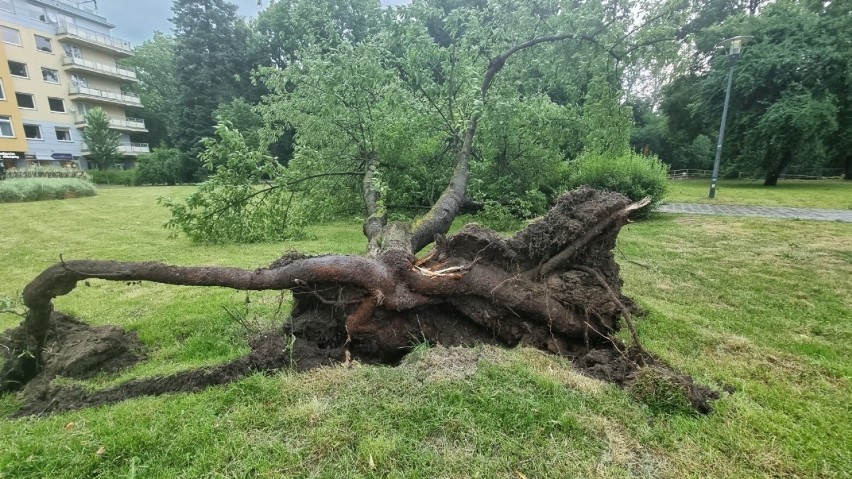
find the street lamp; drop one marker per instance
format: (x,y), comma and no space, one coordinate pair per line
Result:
(735,46)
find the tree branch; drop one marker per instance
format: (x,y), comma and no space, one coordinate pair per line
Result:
(443,212)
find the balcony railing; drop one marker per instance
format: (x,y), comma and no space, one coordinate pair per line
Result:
(100,68)
(106,95)
(125,124)
(132,149)
(93,38)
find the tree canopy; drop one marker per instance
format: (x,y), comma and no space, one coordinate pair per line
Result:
(790,96)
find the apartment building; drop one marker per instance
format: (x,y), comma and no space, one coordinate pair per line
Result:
(58,61)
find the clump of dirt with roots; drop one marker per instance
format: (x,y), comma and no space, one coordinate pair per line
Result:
(554,286)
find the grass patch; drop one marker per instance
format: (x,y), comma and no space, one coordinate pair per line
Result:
(761,305)
(38,189)
(828,194)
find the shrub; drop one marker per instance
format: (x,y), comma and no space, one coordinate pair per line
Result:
(631,174)
(113,177)
(45,172)
(498,217)
(160,167)
(36,189)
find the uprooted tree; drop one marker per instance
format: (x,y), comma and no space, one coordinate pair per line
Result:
(555,286)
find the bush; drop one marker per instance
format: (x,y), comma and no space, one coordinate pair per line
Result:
(161,167)
(499,217)
(631,174)
(45,172)
(113,177)
(37,189)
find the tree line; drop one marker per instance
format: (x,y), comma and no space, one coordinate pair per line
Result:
(321,85)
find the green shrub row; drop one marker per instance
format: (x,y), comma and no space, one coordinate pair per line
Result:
(37,189)
(113,177)
(45,172)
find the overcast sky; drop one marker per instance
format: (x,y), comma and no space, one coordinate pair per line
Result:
(137,20)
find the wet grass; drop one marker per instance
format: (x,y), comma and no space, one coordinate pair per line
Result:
(828,194)
(760,305)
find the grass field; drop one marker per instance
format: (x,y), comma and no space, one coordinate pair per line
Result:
(830,194)
(760,305)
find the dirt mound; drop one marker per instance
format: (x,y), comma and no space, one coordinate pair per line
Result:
(74,349)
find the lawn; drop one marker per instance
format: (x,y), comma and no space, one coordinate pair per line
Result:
(829,194)
(760,305)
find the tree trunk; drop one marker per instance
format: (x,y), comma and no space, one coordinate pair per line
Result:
(771,179)
(554,286)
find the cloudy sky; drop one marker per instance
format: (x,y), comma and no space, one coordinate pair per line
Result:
(137,20)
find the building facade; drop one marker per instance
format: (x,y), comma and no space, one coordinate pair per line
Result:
(58,61)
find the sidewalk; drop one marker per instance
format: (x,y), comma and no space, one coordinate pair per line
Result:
(759,211)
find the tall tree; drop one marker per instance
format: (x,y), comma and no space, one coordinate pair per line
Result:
(211,45)
(789,102)
(101,141)
(154,62)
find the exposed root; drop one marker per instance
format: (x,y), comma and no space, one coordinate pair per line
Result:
(472,289)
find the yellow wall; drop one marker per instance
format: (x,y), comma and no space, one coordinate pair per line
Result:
(9,107)
(35,84)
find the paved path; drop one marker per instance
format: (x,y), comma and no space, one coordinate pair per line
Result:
(761,211)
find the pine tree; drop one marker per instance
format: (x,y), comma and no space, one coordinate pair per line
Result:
(210,46)
(102,142)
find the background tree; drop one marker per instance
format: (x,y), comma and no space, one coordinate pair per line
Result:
(101,140)
(213,50)
(789,103)
(154,62)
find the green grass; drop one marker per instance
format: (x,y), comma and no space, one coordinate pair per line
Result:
(761,305)
(830,194)
(40,189)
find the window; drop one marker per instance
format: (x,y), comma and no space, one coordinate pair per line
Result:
(18,69)
(7,5)
(25,100)
(83,108)
(56,105)
(38,13)
(2,91)
(43,44)
(72,51)
(32,132)
(6,127)
(63,134)
(50,75)
(79,80)
(10,35)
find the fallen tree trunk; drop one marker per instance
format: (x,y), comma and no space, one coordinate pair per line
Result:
(542,288)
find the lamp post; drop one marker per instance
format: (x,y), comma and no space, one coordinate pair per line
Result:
(735,49)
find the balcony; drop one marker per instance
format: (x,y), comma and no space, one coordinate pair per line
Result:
(133,125)
(132,149)
(93,39)
(78,64)
(104,96)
